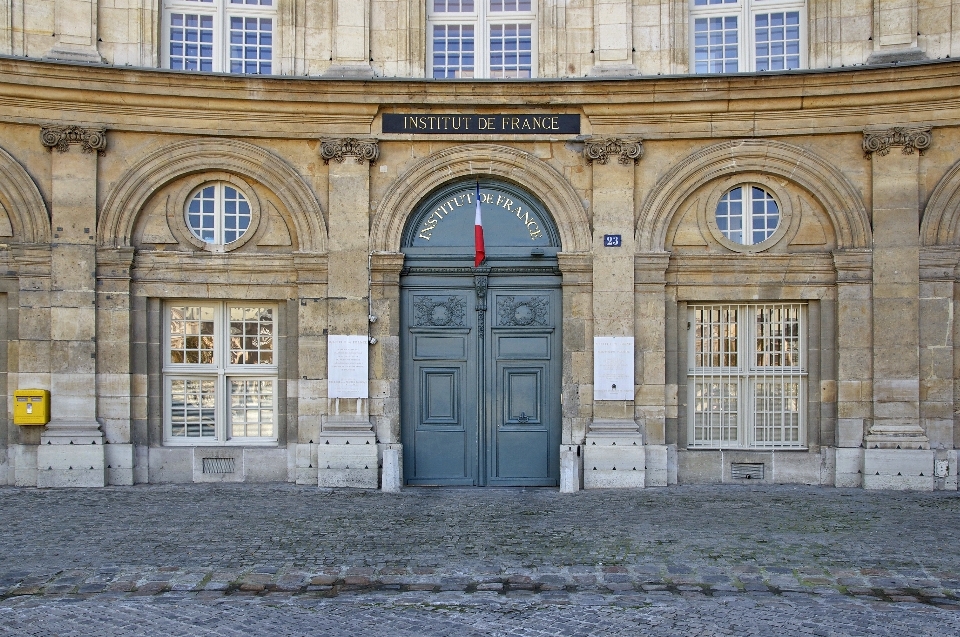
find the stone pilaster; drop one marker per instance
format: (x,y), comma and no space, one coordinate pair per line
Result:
(649,303)
(385,270)
(114,381)
(76,36)
(937,352)
(31,351)
(347,452)
(613,38)
(614,454)
(311,361)
(855,362)
(577,271)
(350,39)
(71,450)
(897,449)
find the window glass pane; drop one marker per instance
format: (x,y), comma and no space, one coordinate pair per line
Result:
(715,412)
(251,408)
(251,336)
(511,50)
(716,48)
(251,45)
(453,6)
(778,46)
(453,51)
(186,30)
(192,408)
(191,335)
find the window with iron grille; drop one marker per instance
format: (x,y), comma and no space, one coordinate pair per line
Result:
(481,39)
(747,375)
(230,36)
(219,372)
(728,36)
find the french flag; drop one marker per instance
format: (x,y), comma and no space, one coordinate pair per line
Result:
(478,235)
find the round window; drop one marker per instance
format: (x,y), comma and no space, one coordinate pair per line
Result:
(747,215)
(218,214)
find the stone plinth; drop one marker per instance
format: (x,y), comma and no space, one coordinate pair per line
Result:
(898,469)
(347,454)
(571,468)
(614,456)
(71,454)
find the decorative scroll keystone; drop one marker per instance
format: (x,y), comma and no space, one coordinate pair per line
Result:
(600,149)
(910,138)
(340,148)
(91,140)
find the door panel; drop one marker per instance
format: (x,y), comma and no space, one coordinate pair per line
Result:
(480,389)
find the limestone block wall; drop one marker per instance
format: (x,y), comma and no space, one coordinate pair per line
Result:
(863,164)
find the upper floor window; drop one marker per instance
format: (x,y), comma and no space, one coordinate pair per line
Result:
(747,35)
(218,214)
(231,36)
(481,38)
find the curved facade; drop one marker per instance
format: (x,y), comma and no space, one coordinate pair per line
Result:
(688,278)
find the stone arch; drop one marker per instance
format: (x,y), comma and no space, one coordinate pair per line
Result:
(21,198)
(941,216)
(835,193)
(165,164)
(481,160)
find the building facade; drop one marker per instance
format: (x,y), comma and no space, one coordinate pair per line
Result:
(721,242)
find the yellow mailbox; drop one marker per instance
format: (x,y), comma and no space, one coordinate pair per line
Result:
(31,407)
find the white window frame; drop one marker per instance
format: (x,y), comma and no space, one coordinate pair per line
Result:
(221,371)
(482,18)
(221,11)
(745,11)
(743,373)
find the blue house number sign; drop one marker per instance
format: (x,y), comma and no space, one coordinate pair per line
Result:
(612,241)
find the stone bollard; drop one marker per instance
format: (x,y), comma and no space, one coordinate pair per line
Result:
(390,482)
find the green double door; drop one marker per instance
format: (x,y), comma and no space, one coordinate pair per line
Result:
(480,378)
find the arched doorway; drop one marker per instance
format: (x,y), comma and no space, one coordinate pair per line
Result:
(480,347)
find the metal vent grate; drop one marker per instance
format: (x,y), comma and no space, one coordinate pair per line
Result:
(746,471)
(218,465)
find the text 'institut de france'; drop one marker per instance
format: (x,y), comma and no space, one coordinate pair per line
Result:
(240,241)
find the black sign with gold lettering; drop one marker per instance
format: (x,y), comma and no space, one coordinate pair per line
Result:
(481,124)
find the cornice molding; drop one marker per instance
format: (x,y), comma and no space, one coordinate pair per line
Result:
(91,140)
(339,148)
(909,138)
(602,148)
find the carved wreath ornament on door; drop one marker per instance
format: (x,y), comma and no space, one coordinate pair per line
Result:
(438,311)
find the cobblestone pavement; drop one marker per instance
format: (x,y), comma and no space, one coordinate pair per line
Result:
(286,560)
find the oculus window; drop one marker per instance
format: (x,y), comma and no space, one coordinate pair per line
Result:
(747,215)
(729,36)
(746,376)
(218,214)
(219,373)
(481,39)
(229,36)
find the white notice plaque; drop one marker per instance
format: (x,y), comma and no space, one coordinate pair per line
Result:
(613,368)
(347,367)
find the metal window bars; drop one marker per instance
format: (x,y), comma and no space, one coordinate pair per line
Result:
(747,375)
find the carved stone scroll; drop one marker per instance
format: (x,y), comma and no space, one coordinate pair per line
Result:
(340,148)
(91,140)
(600,149)
(910,138)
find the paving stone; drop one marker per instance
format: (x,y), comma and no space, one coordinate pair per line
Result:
(461,561)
